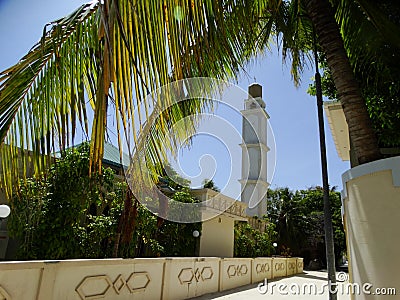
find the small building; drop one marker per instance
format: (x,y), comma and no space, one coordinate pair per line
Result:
(217,235)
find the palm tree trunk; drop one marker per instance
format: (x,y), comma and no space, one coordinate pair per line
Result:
(362,134)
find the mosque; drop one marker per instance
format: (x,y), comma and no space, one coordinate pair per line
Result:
(217,238)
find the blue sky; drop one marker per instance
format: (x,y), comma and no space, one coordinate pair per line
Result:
(293,115)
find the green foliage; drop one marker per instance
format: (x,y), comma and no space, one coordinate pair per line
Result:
(250,242)
(381,93)
(299,221)
(151,238)
(172,179)
(177,238)
(67,214)
(384,109)
(143,242)
(327,85)
(210,184)
(44,94)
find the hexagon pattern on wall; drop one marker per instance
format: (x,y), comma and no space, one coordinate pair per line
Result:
(186,275)
(138,282)
(95,287)
(236,270)
(262,268)
(3,294)
(92,287)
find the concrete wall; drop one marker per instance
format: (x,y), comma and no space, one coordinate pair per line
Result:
(371,213)
(261,269)
(291,264)
(299,265)
(142,278)
(190,277)
(279,267)
(217,237)
(235,272)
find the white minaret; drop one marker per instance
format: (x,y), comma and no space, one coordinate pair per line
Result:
(254,153)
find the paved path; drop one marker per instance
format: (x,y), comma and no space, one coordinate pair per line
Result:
(294,287)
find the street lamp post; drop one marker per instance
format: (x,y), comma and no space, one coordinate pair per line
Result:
(196,235)
(329,243)
(4,211)
(275,245)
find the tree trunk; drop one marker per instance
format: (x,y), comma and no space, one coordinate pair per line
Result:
(361,132)
(126,223)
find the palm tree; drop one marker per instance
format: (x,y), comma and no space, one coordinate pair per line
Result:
(361,132)
(106,57)
(286,211)
(375,60)
(304,19)
(113,53)
(294,23)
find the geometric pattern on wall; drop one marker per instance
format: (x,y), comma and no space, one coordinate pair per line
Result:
(187,275)
(95,287)
(279,266)
(300,264)
(237,270)
(262,268)
(291,266)
(4,295)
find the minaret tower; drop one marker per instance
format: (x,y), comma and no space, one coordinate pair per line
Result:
(254,153)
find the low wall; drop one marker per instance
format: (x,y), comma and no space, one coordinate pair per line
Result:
(234,272)
(371,214)
(141,278)
(261,269)
(279,267)
(299,265)
(190,277)
(291,264)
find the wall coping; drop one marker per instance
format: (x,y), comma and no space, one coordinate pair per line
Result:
(32,264)
(392,163)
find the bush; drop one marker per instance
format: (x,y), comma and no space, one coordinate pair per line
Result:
(250,242)
(67,213)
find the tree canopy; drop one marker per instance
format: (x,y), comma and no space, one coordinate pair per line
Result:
(70,214)
(298,219)
(106,56)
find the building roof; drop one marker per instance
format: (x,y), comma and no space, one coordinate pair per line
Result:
(110,156)
(339,129)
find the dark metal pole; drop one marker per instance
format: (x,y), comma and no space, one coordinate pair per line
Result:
(329,244)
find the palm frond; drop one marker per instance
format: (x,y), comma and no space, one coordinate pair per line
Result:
(110,55)
(287,23)
(371,33)
(40,94)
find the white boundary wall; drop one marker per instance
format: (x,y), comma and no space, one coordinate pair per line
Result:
(139,278)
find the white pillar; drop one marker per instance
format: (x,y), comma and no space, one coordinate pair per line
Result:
(254,153)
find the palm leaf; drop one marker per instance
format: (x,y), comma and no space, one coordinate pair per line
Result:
(371,38)
(110,55)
